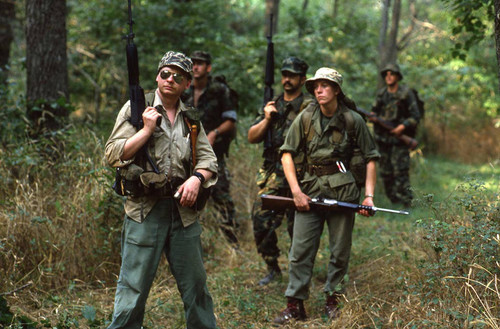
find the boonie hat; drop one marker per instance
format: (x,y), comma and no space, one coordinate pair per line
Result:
(324,73)
(393,68)
(177,59)
(294,65)
(201,56)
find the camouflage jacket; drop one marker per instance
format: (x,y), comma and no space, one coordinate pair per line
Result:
(216,107)
(287,112)
(398,108)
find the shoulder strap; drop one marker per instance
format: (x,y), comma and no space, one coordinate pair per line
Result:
(349,122)
(307,121)
(150,98)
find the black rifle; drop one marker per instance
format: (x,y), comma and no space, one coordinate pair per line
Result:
(412,143)
(269,80)
(273,202)
(269,77)
(137,98)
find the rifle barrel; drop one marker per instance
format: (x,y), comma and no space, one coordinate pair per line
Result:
(400,212)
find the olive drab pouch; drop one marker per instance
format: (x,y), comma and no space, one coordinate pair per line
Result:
(154,182)
(128,182)
(357,166)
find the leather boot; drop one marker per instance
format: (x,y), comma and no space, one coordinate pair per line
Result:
(274,273)
(294,310)
(332,306)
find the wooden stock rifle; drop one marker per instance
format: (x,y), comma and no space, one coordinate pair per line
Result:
(412,143)
(273,202)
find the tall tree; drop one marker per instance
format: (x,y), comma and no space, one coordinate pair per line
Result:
(7,15)
(389,44)
(497,37)
(46,63)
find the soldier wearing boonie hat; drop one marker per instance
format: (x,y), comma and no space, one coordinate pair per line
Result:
(325,73)
(154,209)
(271,126)
(322,136)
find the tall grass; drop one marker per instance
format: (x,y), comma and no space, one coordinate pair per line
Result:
(60,228)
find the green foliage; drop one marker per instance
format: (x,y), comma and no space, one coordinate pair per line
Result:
(459,242)
(472,20)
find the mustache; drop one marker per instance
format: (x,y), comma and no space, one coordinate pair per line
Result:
(287,84)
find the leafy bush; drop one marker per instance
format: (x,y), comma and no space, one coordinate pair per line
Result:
(464,241)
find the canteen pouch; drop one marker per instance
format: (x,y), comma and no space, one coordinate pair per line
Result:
(153,182)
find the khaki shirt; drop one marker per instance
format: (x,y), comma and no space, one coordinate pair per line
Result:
(328,144)
(170,148)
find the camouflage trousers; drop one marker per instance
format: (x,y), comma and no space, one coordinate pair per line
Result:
(395,172)
(265,222)
(223,202)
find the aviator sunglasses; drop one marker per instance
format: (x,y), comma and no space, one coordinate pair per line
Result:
(165,74)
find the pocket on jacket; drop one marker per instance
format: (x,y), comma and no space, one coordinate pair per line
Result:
(342,187)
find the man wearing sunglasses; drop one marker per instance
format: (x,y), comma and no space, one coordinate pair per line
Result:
(162,219)
(397,104)
(212,99)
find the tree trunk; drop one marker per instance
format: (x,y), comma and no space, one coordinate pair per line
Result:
(335,9)
(46,63)
(272,7)
(388,43)
(7,15)
(392,46)
(497,37)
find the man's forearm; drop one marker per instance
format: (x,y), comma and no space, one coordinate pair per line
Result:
(257,132)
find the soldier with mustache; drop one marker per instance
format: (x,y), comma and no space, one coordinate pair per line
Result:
(271,127)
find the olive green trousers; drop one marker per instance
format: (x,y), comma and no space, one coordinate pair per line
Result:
(307,231)
(142,246)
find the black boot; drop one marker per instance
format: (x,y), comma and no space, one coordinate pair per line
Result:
(332,306)
(294,310)
(274,273)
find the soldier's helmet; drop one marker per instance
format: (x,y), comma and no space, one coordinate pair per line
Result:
(325,73)
(295,65)
(201,56)
(393,68)
(177,59)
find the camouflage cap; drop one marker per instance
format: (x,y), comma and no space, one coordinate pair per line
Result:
(324,73)
(393,68)
(201,56)
(177,59)
(294,65)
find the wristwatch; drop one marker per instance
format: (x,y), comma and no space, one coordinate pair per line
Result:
(199,176)
(216,131)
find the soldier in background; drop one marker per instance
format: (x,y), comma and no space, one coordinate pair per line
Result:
(397,104)
(271,127)
(218,116)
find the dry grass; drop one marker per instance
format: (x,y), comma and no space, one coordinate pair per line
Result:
(467,144)
(59,242)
